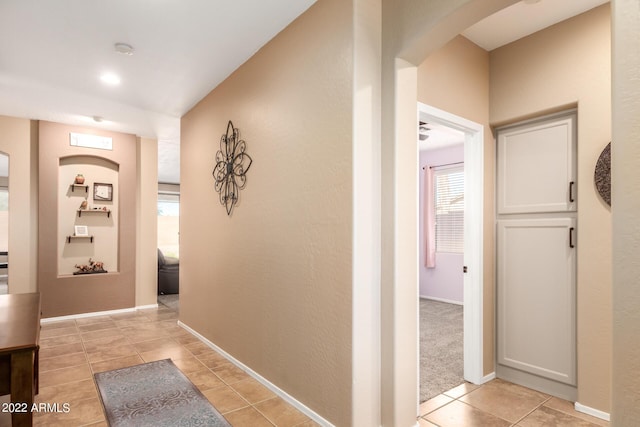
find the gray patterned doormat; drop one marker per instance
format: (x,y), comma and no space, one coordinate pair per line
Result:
(154,394)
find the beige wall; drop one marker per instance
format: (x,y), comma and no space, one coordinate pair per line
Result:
(146,222)
(65,294)
(568,65)
(455,78)
(626,205)
(271,284)
(19,139)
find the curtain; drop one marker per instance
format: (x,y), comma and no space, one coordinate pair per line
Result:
(429,218)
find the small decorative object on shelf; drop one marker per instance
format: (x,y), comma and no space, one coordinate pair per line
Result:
(79,179)
(94,267)
(81,230)
(83,205)
(232,164)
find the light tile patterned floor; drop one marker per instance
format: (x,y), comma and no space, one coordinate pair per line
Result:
(72,351)
(500,403)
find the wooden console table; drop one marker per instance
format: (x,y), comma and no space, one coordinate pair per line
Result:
(19,344)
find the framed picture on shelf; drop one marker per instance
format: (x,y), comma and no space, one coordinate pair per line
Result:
(81,231)
(103,192)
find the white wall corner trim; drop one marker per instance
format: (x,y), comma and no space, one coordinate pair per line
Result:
(593,412)
(281,393)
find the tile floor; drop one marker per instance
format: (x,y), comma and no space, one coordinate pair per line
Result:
(500,403)
(71,351)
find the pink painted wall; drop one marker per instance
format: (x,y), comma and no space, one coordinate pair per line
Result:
(445,281)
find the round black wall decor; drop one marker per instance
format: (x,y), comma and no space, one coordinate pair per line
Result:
(232,164)
(602,175)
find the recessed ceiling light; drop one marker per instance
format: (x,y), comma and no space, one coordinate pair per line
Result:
(110,79)
(124,48)
(93,120)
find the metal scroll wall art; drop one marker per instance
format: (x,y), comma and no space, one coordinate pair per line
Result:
(232,164)
(602,174)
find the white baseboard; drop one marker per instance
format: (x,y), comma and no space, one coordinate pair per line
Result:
(274,388)
(146,307)
(483,380)
(448,301)
(97,313)
(487,378)
(593,412)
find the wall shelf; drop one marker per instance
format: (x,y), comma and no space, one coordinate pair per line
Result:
(74,186)
(80,273)
(80,211)
(79,237)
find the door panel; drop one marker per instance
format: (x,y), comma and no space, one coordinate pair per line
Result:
(536,167)
(536,296)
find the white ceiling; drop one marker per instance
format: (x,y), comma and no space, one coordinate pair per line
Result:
(506,26)
(439,136)
(53,52)
(524,18)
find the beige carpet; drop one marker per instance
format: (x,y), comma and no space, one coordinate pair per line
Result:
(441,357)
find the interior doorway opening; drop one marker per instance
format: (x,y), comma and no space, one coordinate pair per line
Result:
(169,245)
(441,258)
(473,158)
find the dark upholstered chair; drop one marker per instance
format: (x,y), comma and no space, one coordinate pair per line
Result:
(168,274)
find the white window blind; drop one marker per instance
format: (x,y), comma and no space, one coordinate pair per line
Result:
(168,204)
(449,206)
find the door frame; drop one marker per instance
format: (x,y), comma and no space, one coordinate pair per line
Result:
(473,236)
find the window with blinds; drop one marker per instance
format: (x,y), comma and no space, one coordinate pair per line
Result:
(169,223)
(449,207)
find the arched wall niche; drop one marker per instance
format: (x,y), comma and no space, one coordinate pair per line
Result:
(79,206)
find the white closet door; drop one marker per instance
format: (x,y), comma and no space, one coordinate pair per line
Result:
(536,167)
(536,297)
